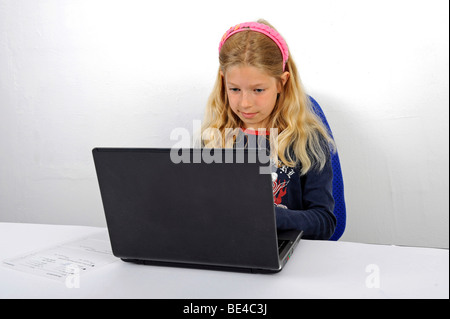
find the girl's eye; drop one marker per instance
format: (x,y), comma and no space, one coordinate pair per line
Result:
(234,90)
(259,90)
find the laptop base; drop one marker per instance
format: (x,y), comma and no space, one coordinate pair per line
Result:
(290,240)
(201,266)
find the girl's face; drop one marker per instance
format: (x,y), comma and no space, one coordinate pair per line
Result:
(252,94)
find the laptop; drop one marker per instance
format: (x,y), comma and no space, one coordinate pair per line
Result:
(194,208)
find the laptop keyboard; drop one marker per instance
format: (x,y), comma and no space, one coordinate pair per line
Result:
(281,245)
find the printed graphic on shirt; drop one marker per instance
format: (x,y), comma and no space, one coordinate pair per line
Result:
(279,189)
(280,180)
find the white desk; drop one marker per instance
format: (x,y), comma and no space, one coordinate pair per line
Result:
(317,269)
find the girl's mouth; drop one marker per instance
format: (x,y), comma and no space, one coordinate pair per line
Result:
(248,115)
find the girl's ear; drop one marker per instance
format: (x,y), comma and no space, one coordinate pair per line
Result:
(284,77)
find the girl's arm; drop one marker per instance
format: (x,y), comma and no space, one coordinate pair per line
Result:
(317,219)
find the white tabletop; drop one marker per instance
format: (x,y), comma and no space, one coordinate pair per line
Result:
(317,269)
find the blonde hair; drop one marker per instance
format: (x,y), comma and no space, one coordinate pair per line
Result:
(301,133)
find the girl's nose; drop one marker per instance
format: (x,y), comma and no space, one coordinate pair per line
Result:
(245,100)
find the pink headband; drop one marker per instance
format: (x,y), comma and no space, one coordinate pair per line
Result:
(261,28)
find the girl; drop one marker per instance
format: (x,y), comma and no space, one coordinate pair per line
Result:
(258,89)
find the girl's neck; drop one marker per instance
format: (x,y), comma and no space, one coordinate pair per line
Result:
(251,131)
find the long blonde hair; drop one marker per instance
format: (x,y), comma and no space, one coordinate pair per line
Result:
(301,133)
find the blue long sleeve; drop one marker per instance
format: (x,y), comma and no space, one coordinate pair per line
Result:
(309,205)
(303,202)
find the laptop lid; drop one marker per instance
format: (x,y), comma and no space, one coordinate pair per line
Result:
(184,208)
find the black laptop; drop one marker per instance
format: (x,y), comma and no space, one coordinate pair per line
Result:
(196,208)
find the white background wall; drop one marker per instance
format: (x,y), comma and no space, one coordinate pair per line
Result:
(85,73)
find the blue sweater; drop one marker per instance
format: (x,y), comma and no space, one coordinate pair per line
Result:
(304,202)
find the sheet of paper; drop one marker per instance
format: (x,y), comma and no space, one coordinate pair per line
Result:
(67,262)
